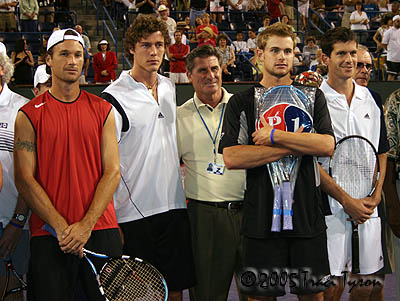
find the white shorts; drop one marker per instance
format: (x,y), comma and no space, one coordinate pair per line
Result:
(178,78)
(339,244)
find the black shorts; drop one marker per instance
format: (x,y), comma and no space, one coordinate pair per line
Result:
(164,241)
(393,67)
(271,264)
(54,275)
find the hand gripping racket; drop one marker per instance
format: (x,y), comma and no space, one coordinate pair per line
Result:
(10,268)
(285,108)
(126,279)
(354,166)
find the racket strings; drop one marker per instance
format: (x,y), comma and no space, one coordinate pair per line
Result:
(127,279)
(354,167)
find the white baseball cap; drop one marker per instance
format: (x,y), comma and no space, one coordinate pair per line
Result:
(3,49)
(41,76)
(103,42)
(162,8)
(396,17)
(59,36)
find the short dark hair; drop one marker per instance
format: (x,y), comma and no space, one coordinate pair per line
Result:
(220,37)
(141,27)
(336,35)
(202,52)
(311,38)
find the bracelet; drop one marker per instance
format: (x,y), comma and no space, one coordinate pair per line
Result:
(271,136)
(15,225)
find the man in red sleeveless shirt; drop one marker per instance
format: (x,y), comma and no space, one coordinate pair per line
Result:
(67,169)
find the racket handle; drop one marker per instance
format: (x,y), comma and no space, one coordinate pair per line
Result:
(287,206)
(355,249)
(48,228)
(277,210)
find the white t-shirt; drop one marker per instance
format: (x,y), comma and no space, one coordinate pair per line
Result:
(10,103)
(150,172)
(361,118)
(355,16)
(391,37)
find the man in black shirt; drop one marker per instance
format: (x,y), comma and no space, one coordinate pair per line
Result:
(290,256)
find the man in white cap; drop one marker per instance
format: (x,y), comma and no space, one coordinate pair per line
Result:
(163,11)
(14,240)
(67,166)
(41,80)
(391,42)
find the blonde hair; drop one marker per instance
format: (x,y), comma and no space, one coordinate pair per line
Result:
(276,29)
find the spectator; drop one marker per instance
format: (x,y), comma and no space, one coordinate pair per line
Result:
(104,63)
(85,38)
(207,34)
(395,8)
(239,44)
(206,23)
(23,62)
(288,8)
(86,63)
(228,57)
(386,23)
(274,9)
(317,61)
(7,15)
(349,7)
(252,40)
(359,23)
(197,9)
(322,69)
(391,42)
(177,53)
(164,16)
(29,10)
(46,11)
(217,10)
(43,51)
(266,23)
(304,6)
(192,35)
(145,6)
(257,68)
(309,50)
(285,20)
(41,81)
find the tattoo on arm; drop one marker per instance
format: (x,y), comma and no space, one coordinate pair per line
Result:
(28,145)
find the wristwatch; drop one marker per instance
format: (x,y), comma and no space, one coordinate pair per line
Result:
(20,217)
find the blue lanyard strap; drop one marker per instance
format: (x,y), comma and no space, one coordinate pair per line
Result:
(214,140)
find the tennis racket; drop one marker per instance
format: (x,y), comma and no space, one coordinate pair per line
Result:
(10,269)
(285,108)
(354,166)
(125,278)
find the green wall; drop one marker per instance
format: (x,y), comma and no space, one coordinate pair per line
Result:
(185,91)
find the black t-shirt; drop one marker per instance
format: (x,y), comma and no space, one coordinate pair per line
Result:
(383,146)
(308,218)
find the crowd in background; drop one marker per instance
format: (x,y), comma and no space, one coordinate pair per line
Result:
(231,26)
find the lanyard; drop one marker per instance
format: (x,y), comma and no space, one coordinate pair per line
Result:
(214,140)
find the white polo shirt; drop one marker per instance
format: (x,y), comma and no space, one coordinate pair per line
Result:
(196,150)
(391,37)
(10,103)
(361,118)
(150,171)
